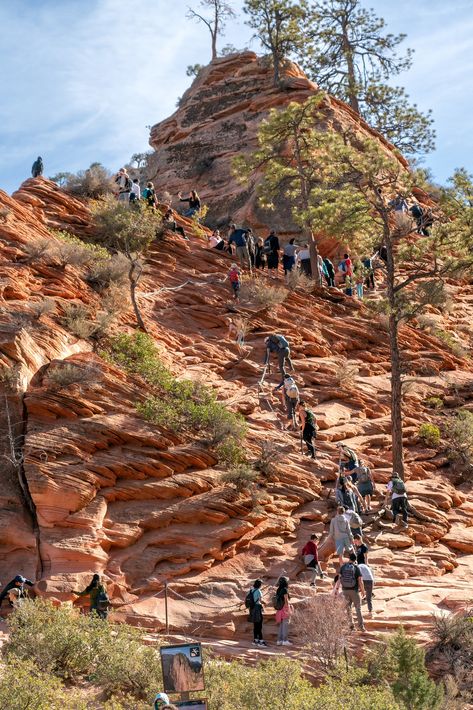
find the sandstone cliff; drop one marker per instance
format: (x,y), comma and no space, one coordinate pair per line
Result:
(96,488)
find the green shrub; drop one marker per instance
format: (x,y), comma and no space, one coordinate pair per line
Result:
(93,182)
(449,340)
(459,432)
(23,685)
(241,477)
(105,272)
(408,676)
(434,402)
(429,434)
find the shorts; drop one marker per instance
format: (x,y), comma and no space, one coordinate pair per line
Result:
(343,544)
(365,488)
(235,286)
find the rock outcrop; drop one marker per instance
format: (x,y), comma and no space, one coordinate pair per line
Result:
(97,488)
(217,119)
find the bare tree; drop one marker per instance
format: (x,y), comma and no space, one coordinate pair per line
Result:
(326,636)
(220,12)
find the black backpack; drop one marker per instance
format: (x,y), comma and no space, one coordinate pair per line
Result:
(250,600)
(278,601)
(398,486)
(348,576)
(128,183)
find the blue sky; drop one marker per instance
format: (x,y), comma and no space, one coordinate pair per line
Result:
(81,79)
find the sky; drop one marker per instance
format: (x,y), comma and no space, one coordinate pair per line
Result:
(83,79)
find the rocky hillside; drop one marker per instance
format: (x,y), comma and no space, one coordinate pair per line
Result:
(217,119)
(97,488)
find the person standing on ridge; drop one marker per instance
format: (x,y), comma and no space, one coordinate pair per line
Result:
(289,257)
(310,557)
(124,185)
(238,237)
(37,167)
(283,611)
(254,604)
(194,203)
(260,258)
(149,195)
(290,398)
(368,583)
(135,193)
(271,249)
(303,259)
(278,344)
(308,427)
(329,272)
(353,589)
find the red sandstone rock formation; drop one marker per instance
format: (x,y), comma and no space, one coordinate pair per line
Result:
(100,489)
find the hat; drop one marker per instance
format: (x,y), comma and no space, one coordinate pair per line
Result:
(163,698)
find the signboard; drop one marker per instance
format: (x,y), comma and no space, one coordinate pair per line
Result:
(182,669)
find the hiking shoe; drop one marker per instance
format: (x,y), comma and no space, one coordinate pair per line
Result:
(312,584)
(255,642)
(286,643)
(263,643)
(279,643)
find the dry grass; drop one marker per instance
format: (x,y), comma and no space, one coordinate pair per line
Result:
(262,294)
(68,374)
(298,281)
(45,307)
(346,374)
(326,634)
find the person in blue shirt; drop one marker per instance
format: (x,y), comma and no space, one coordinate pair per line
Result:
(239,237)
(256,613)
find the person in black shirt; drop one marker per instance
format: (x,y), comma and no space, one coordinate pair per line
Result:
(17,583)
(194,203)
(361,550)
(271,249)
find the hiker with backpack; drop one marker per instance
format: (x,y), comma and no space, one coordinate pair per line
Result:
(368,584)
(289,397)
(149,196)
(99,600)
(279,345)
(18,583)
(348,460)
(353,589)
(347,494)
(124,185)
(234,276)
(308,427)
(238,237)
(289,257)
(368,265)
(329,272)
(254,604)
(283,610)
(341,534)
(310,558)
(271,250)
(194,203)
(397,489)
(354,521)
(135,193)
(364,484)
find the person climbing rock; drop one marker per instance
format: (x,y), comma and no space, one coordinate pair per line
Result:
(329,272)
(308,427)
(271,250)
(310,556)
(194,203)
(289,397)
(99,600)
(135,193)
(19,583)
(278,344)
(361,550)
(341,534)
(348,460)
(368,584)
(254,604)
(354,521)
(351,582)
(364,483)
(396,488)
(37,167)
(170,223)
(124,184)
(234,277)
(238,237)
(283,608)
(289,256)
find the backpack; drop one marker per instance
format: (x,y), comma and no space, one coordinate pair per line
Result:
(278,601)
(282,342)
(103,601)
(292,391)
(364,474)
(342,267)
(347,576)
(398,486)
(416,211)
(250,600)
(128,183)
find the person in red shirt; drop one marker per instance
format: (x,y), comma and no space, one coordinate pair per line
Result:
(348,266)
(311,558)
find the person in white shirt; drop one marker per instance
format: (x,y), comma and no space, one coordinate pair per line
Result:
(216,241)
(368,582)
(135,193)
(397,490)
(303,259)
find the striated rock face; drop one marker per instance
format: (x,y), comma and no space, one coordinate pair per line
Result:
(218,118)
(98,488)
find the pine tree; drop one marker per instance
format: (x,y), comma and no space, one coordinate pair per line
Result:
(352,57)
(278,26)
(409,678)
(220,12)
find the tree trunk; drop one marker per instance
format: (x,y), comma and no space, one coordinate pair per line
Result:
(133,284)
(396,381)
(314,259)
(348,52)
(214,45)
(276,63)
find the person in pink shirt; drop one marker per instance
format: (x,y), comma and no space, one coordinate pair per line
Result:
(283,611)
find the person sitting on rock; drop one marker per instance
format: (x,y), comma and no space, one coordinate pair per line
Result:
(37,167)
(341,534)
(170,223)
(308,427)
(310,556)
(290,397)
(278,344)
(396,488)
(99,601)
(194,203)
(216,241)
(19,583)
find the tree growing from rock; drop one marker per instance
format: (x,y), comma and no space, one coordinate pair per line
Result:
(129,232)
(352,56)
(220,11)
(278,25)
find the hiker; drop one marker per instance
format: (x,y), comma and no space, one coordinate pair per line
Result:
(250,241)
(160,701)
(289,398)
(361,550)
(353,589)
(382,252)
(239,239)
(234,276)
(260,257)
(37,167)
(308,427)
(368,584)
(149,195)
(349,283)
(15,599)
(310,557)
(364,484)
(329,272)
(345,267)
(194,203)
(271,250)
(283,611)
(348,460)
(170,223)
(216,241)
(354,521)
(399,204)
(279,345)
(99,601)
(123,183)
(135,193)
(289,257)
(254,603)
(367,262)
(340,533)
(17,583)
(417,213)
(303,259)
(397,488)
(359,278)
(347,495)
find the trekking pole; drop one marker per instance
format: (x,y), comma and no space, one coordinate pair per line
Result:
(260,383)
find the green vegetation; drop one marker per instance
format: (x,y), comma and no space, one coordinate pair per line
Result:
(92,183)
(429,433)
(241,477)
(434,402)
(179,405)
(449,340)
(459,432)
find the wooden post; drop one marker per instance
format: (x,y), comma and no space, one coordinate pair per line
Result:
(166,606)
